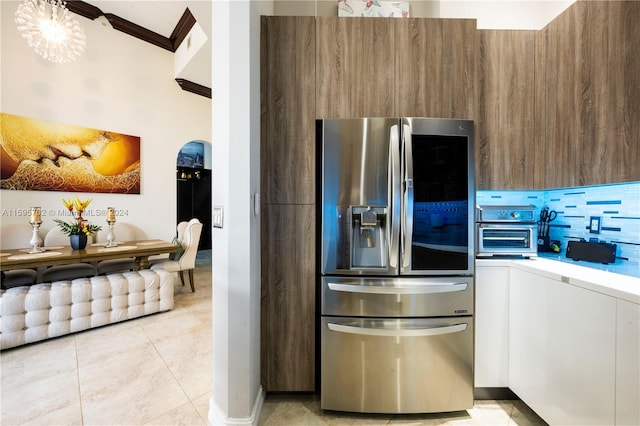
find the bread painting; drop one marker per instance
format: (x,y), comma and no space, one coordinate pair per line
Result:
(47,156)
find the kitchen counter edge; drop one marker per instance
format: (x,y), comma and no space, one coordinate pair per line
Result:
(609,283)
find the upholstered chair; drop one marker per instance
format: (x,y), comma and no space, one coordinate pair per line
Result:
(180,233)
(187,261)
(17,236)
(53,238)
(123,232)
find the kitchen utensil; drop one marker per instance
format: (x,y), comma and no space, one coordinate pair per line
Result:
(546,216)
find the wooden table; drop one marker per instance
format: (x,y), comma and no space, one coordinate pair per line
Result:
(140,250)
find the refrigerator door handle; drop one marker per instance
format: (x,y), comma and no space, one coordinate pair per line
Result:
(394,196)
(385,332)
(407,206)
(423,289)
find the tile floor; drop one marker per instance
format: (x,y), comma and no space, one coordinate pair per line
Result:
(281,410)
(156,370)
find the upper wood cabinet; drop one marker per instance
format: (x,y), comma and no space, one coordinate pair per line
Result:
(508,153)
(592,94)
(436,67)
(287,79)
(355,67)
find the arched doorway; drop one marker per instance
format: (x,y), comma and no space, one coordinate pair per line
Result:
(193,180)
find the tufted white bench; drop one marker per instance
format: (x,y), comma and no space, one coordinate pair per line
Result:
(33,313)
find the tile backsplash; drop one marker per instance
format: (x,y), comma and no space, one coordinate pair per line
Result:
(617,207)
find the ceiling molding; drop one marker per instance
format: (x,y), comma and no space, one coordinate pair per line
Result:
(84,9)
(179,33)
(190,86)
(139,32)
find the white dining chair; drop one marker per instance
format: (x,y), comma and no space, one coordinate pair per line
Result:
(187,261)
(54,238)
(123,232)
(17,236)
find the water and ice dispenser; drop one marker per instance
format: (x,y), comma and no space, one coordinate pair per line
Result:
(368,237)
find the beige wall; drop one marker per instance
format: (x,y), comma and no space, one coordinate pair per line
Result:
(119,84)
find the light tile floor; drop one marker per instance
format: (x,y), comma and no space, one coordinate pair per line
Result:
(156,370)
(290,409)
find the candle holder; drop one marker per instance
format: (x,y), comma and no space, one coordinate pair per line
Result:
(111,221)
(35,220)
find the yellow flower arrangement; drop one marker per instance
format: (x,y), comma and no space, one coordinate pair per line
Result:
(79,225)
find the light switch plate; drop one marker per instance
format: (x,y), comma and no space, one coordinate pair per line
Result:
(217,216)
(594,225)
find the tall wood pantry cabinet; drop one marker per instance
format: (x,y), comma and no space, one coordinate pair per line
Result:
(288,203)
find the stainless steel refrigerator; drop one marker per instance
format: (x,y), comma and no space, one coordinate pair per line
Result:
(397,264)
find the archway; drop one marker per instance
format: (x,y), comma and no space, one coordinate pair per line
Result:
(193,184)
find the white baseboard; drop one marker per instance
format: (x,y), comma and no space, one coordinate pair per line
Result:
(217,418)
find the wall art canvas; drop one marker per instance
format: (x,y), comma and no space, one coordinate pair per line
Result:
(39,155)
(377,9)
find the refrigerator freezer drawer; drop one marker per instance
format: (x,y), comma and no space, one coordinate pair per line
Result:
(420,365)
(399,297)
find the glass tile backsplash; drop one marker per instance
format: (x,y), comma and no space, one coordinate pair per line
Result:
(614,209)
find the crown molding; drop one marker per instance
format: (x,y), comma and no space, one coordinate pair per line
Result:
(179,33)
(192,87)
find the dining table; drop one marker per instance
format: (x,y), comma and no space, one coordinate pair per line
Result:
(140,250)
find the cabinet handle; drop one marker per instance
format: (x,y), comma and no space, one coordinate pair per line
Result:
(385,332)
(422,289)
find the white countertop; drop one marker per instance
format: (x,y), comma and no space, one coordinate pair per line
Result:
(616,285)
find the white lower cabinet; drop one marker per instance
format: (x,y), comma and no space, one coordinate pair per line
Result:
(628,364)
(562,350)
(492,327)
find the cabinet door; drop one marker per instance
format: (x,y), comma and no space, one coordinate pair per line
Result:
(562,350)
(509,153)
(355,67)
(492,327)
(288,298)
(288,110)
(436,67)
(628,364)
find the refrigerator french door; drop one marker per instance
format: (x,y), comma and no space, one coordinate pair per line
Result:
(397,249)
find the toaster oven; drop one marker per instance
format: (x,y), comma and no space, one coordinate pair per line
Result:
(506,231)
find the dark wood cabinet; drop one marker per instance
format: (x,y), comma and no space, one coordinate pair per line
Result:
(559,107)
(288,179)
(508,153)
(592,94)
(288,81)
(435,67)
(288,298)
(355,67)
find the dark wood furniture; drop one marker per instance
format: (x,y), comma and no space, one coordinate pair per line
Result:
(140,250)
